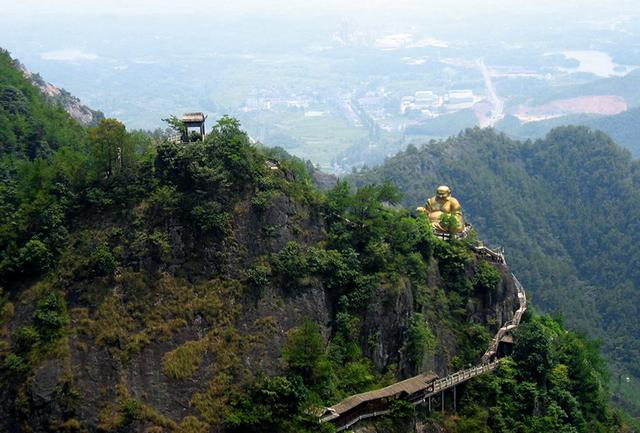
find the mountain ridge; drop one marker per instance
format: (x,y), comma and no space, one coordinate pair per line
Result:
(150,286)
(71,104)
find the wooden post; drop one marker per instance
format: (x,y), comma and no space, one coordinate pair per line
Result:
(454,399)
(442,398)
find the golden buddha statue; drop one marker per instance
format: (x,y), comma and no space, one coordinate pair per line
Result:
(444,211)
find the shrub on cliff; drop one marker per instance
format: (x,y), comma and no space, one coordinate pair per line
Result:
(418,341)
(305,356)
(50,316)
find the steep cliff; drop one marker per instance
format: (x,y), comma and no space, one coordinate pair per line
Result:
(160,328)
(177,287)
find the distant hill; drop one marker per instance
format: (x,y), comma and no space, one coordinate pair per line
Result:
(627,86)
(623,128)
(567,209)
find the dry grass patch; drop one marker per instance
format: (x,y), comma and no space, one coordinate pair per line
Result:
(182,362)
(126,409)
(191,424)
(126,325)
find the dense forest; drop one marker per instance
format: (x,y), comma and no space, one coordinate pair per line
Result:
(620,127)
(566,208)
(210,286)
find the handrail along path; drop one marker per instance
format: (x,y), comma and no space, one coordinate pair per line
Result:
(488,362)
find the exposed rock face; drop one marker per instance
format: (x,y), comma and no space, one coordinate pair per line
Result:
(91,375)
(388,318)
(46,380)
(72,105)
(323,180)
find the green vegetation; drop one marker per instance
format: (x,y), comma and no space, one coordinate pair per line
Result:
(304,354)
(182,362)
(126,410)
(486,277)
(269,404)
(254,298)
(555,381)
(29,126)
(50,317)
(564,209)
(419,340)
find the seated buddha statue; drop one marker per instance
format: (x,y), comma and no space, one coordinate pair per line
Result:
(444,212)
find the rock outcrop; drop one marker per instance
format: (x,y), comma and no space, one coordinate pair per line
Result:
(70,103)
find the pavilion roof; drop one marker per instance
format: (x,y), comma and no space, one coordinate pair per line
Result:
(408,386)
(193,117)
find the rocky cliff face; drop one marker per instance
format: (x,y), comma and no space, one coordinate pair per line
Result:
(72,105)
(166,306)
(409,427)
(166,343)
(388,319)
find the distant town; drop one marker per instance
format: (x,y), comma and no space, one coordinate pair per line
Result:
(347,96)
(422,104)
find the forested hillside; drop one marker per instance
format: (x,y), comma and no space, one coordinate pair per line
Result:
(622,128)
(210,287)
(567,209)
(29,125)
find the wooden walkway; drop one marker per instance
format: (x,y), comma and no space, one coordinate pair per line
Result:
(488,363)
(462,376)
(509,325)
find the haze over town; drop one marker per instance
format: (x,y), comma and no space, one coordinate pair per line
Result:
(340,84)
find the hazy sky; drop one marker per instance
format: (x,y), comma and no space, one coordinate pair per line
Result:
(26,8)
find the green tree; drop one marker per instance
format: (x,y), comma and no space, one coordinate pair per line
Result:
(270,404)
(229,144)
(50,316)
(449,223)
(111,147)
(486,277)
(304,354)
(177,125)
(418,341)
(533,350)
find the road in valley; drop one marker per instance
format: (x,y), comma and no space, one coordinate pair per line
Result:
(497,112)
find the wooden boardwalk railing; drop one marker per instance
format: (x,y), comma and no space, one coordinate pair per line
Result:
(509,325)
(438,386)
(488,362)
(462,376)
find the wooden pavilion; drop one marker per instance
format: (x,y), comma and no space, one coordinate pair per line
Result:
(193,120)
